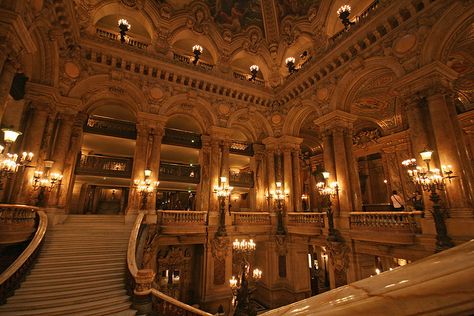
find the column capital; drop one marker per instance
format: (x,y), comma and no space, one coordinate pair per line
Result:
(334,119)
(426,80)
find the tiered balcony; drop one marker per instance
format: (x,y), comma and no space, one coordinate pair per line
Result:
(386,227)
(251,222)
(179,172)
(182,138)
(112,127)
(104,166)
(241,179)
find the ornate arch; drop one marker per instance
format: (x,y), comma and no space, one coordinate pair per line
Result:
(297,115)
(248,120)
(443,35)
(95,88)
(195,107)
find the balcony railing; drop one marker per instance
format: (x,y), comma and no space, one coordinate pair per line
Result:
(187,60)
(389,227)
(251,218)
(182,138)
(114,36)
(179,172)
(96,165)
(306,218)
(111,127)
(181,218)
(238,75)
(241,179)
(241,148)
(386,221)
(17,223)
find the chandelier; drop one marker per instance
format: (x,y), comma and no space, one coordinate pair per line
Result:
(244,285)
(279,195)
(328,191)
(11,162)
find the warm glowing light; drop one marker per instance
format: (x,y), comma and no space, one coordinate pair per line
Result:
(9,135)
(147,173)
(344,8)
(426,154)
(257,274)
(124,23)
(290,60)
(244,245)
(197,48)
(254,68)
(233,282)
(325,175)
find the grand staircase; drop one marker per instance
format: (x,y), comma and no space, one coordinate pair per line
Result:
(81,270)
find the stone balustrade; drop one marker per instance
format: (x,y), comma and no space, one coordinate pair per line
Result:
(182,217)
(383,221)
(241,179)
(97,165)
(251,218)
(179,172)
(17,223)
(96,124)
(303,218)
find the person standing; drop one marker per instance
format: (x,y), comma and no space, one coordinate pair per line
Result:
(397,202)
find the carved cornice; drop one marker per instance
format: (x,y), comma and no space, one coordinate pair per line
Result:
(335,119)
(46,94)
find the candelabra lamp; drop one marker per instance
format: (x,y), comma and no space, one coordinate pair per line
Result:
(223,192)
(279,196)
(43,181)
(244,285)
(197,51)
(253,71)
(124,27)
(329,191)
(343,12)
(145,188)
(10,163)
(290,63)
(433,180)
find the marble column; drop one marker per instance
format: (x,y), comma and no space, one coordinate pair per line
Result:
(342,173)
(460,190)
(153,163)
(259,174)
(139,165)
(297,185)
(214,175)
(328,154)
(61,148)
(270,153)
(71,159)
(356,195)
(288,178)
(6,79)
(32,141)
(204,188)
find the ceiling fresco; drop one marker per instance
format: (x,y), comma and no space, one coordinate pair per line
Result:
(236,15)
(296,8)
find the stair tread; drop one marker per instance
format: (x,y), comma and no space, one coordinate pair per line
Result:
(58,292)
(63,287)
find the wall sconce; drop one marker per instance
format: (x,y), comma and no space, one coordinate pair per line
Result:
(10,162)
(197,51)
(145,187)
(45,182)
(290,63)
(343,12)
(124,27)
(253,71)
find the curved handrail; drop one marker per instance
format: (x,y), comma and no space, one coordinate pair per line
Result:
(388,213)
(132,246)
(134,272)
(179,304)
(28,254)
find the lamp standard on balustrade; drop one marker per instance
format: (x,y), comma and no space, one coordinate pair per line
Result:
(279,196)
(243,286)
(432,181)
(329,191)
(10,163)
(145,188)
(223,192)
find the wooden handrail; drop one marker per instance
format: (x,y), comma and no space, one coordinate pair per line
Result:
(388,213)
(179,304)
(7,284)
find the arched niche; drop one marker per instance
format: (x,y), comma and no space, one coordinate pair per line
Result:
(114,111)
(242,61)
(184,123)
(184,40)
(333,23)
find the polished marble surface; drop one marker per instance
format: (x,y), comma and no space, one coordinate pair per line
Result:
(442,284)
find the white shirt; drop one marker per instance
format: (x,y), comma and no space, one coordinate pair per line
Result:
(397,201)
